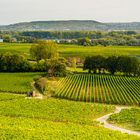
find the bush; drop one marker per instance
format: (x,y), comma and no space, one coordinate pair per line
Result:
(41,85)
(13,63)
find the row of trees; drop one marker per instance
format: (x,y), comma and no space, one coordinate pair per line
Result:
(130,38)
(45,57)
(13,63)
(79,34)
(127,65)
(16,63)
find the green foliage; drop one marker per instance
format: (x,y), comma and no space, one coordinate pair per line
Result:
(112,64)
(16,63)
(52,109)
(127,118)
(129,65)
(126,38)
(84,41)
(53,119)
(125,64)
(44,50)
(94,63)
(13,63)
(53,67)
(100,88)
(39,129)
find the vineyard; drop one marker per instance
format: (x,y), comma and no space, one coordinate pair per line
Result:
(100,88)
(53,119)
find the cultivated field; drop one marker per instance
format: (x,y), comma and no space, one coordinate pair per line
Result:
(74,50)
(50,118)
(100,88)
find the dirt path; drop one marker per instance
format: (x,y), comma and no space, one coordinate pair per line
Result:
(103,120)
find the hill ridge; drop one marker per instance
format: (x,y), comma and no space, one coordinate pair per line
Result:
(71,25)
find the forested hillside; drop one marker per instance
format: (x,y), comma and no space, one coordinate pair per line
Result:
(72,25)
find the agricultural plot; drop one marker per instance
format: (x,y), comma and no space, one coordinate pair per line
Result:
(50,109)
(100,88)
(74,50)
(80,51)
(53,119)
(17,82)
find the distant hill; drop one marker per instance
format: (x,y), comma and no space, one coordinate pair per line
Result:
(72,25)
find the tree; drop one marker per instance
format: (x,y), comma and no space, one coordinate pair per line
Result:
(98,63)
(44,50)
(112,64)
(84,41)
(53,67)
(94,63)
(88,64)
(128,65)
(13,63)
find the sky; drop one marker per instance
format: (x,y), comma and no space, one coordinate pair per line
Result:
(14,11)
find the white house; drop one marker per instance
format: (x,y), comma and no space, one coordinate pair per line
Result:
(1,40)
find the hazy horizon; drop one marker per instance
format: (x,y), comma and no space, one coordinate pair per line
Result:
(15,11)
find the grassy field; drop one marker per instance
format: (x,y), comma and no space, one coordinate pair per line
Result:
(127,118)
(17,82)
(21,48)
(100,88)
(55,119)
(74,50)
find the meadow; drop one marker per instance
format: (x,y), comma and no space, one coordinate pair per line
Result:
(100,88)
(74,50)
(51,118)
(17,82)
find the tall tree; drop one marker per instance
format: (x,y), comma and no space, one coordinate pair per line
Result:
(112,64)
(44,50)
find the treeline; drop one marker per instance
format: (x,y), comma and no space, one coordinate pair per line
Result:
(129,66)
(130,38)
(16,63)
(13,37)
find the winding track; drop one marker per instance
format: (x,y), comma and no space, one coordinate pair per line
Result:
(103,120)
